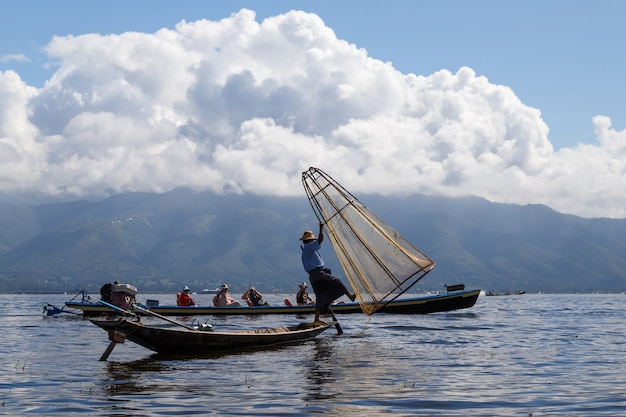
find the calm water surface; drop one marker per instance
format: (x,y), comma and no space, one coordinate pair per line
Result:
(529,355)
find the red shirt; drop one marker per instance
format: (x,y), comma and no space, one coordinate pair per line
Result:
(185,300)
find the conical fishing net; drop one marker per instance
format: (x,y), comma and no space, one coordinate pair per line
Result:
(379,262)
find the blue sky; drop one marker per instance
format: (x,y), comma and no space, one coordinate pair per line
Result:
(565,57)
(491,98)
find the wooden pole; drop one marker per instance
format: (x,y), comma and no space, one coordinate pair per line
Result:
(152,313)
(111,306)
(337,326)
(108,351)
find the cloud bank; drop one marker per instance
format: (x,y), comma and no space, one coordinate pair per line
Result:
(238,105)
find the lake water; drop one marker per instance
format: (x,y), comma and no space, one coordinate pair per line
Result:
(528,355)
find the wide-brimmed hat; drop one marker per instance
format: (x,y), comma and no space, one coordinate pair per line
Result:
(303,285)
(224,287)
(308,235)
(186,288)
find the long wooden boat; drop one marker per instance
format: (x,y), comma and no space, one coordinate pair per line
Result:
(449,301)
(184,340)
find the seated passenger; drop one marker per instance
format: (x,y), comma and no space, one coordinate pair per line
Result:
(105,292)
(184,299)
(303,297)
(223,298)
(253,297)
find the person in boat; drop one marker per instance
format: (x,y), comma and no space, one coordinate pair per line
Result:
(327,287)
(223,298)
(184,299)
(106,290)
(253,298)
(303,297)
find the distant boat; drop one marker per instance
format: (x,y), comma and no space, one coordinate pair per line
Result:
(492,294)
(208,291)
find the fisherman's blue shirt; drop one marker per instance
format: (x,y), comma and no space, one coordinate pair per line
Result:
(311,258)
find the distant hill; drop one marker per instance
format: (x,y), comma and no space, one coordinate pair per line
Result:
(158,242)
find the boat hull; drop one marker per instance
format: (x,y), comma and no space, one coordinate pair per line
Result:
(183,341)
(418,305)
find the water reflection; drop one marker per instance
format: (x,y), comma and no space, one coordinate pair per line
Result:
(319,369)
(128,377)
(531,355)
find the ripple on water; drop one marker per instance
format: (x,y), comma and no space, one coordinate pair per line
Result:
(507,356)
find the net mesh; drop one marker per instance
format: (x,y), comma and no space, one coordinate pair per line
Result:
(380,264)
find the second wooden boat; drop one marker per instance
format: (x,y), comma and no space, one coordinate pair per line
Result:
(427,304)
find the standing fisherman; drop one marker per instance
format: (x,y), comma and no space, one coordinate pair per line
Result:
(326,286)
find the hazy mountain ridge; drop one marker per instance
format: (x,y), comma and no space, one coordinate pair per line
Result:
(159,242)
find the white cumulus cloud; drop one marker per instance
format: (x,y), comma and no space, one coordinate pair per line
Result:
(238,105)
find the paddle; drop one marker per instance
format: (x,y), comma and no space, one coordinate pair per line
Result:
(337,326)
(141,310)
(111,306)
(108,351)
(152,313)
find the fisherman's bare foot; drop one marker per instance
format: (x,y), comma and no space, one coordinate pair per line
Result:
(352,297)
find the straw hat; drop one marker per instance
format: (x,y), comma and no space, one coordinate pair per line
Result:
(303,285)
(308,235)
(224,287)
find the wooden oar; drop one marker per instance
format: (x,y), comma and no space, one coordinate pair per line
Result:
(152,313)
(111,306)
(337,326)
(108,351)
(135,307)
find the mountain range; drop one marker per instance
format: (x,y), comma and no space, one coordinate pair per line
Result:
(160,242)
